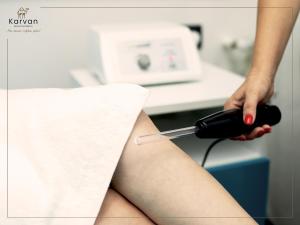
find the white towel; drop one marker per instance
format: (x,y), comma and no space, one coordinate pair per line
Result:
(63,147)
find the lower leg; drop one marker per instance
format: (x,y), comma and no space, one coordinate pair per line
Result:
(116,210)
(170,187)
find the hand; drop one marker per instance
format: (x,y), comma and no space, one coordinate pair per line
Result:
(256,89)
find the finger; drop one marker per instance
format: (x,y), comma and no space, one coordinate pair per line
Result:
(249,109)
(232,104)
(236,100)
(267,128)
(257,132)
(242,138)
(237,138)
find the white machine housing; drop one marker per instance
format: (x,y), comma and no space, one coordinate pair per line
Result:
(144,53)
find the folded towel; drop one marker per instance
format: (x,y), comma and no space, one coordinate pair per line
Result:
(63,147)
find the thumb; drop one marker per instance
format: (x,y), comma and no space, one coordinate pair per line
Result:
(249,109)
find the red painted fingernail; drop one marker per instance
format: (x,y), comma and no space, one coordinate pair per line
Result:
(269,129)
(242,139)
(248,119)
(260,133)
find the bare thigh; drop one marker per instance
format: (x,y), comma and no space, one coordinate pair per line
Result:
(170,187)
(116,210)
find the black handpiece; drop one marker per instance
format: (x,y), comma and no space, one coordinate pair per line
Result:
(229,123)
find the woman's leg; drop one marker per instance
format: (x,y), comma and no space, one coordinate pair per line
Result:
(169,187)
(117,210)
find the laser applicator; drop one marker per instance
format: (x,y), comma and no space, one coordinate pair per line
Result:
(223,124)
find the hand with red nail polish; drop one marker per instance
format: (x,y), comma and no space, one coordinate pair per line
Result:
(257,89)
(248,119)
(273,32)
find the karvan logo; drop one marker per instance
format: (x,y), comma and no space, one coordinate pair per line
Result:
(22,21)
(22,13)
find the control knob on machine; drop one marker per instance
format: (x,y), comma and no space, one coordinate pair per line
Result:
(143,61)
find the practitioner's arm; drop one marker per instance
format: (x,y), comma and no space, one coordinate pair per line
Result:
(165,183)
(275,22)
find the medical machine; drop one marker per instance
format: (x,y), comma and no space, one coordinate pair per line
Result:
(223,124)
(144,53)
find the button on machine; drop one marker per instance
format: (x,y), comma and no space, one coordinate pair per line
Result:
(143,61)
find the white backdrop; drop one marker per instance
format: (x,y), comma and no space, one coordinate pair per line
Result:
(44,59)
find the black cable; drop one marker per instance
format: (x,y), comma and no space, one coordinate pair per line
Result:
(210,148)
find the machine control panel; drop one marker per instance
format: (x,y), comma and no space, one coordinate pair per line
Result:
(166,55)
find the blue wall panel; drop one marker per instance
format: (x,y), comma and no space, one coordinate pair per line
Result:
(247,182)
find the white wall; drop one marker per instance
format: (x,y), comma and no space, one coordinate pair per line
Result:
(44,59)
(285,155)
(295,156)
